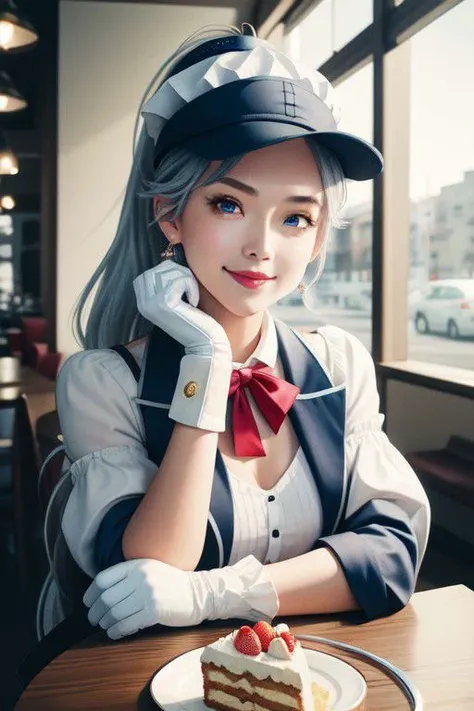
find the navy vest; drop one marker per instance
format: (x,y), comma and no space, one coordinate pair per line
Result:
(317,416)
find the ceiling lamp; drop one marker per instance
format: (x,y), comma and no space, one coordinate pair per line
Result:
(8,160)
(7,202)
(15,30)
(10,97)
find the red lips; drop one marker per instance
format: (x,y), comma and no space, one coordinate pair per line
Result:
(250,280)
(251,275)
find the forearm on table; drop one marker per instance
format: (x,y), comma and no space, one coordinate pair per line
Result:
(311,583)
(170,522)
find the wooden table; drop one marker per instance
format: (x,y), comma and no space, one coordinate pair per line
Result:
(432,640)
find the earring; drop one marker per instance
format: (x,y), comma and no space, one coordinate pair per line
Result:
(169,251)
(301,288)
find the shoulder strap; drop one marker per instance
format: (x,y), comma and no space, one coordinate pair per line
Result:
(129,359)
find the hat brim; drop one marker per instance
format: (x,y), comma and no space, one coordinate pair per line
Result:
(358,159)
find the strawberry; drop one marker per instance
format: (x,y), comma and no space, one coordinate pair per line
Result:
(265,633)
(246,641)
(290,640)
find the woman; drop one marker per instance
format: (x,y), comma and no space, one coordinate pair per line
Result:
(222,464)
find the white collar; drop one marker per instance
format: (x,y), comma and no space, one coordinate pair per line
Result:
(267,347)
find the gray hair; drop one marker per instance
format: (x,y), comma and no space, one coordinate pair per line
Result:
(139,241)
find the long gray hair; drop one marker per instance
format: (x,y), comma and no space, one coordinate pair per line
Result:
(139,241)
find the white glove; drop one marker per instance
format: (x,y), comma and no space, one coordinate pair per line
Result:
(143,592)
(200,398)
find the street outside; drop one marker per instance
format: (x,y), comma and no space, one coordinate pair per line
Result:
(428,348)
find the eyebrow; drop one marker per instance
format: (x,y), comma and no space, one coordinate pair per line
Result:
(303,199)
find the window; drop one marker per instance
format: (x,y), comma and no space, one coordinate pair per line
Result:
(6,225)
(327,28)
(343,295)
(348,287)
(350,18)
(6,278)
(442,178)
(311,40)
(451,292)
(426,63)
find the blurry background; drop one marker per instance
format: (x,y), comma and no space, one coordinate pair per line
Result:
(400,276)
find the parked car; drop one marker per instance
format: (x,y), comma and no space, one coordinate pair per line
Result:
(445,306)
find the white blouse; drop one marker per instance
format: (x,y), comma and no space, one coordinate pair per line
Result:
(104,437)
(278,523)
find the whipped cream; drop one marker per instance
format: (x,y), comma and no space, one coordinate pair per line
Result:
(293,671)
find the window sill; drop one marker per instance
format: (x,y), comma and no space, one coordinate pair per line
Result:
(445,378)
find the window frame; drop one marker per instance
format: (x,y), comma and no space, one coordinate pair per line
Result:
(394,22)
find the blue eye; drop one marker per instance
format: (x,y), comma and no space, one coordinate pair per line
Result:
(294,221)
(227,206)
(223,205)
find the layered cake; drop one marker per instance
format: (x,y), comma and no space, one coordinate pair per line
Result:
(259,668)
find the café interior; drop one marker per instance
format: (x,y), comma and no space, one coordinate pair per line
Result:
(399,276)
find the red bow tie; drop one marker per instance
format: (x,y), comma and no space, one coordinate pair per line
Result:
(274,398)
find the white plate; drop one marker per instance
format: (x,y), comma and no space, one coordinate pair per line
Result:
(177,686)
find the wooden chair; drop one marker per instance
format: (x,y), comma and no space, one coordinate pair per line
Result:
(53,493)
(49,442)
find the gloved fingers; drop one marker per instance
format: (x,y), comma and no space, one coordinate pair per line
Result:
(177,283)
(104,580)
(123,609)
(169,282)
(192,290)
(154,280)
(127,626)
(108,598)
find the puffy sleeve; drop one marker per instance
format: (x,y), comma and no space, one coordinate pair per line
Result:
(382,535)
(102,432)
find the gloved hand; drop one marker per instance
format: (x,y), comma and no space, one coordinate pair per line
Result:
(200,398)
(143,592)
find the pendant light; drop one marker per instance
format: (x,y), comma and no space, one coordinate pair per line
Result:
(8,160)
(7,202)
(10,97)
(16,32)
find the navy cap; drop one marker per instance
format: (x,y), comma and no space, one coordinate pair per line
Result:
(249,114)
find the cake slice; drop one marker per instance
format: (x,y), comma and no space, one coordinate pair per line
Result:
(259,669)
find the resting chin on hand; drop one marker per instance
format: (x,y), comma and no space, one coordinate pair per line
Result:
(140,593)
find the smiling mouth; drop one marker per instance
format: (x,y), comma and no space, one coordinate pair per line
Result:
(250,280)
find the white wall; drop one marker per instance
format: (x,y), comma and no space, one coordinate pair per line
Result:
(108,53)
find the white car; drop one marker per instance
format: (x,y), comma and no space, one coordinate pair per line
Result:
(445,306)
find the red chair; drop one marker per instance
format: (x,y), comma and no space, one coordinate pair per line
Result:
(15,343)
(49,364)
(34,330)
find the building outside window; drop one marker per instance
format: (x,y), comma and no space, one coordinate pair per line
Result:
(441,320)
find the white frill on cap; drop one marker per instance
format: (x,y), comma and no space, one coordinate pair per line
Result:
(214,72)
